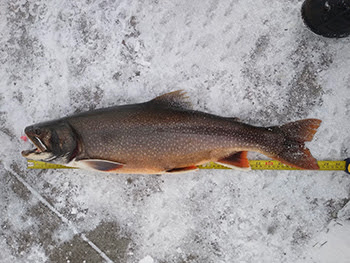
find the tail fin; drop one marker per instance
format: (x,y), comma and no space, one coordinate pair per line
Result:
(293,151)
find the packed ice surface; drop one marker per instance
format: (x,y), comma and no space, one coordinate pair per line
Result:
(250,59)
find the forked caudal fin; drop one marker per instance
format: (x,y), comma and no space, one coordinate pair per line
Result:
(293,151)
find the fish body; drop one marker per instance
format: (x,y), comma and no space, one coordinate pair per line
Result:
(165,135)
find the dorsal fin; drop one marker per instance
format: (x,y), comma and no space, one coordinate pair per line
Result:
(176,99)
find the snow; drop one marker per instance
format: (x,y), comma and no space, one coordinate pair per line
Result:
(147,259)
(249,59)
(332,245)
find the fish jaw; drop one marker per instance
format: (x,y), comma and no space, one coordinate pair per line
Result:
(34,135)
(40,152)
(38,156)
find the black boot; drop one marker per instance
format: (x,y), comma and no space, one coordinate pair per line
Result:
(328,18)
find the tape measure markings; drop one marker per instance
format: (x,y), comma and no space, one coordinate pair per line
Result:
(255,165)
(42,165)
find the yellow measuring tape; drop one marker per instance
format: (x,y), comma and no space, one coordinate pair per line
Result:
(31,164)
(254,164)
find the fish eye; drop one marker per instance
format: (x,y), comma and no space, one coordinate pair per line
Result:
(37,131)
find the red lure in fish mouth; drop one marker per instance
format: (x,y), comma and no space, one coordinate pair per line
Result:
(165,135)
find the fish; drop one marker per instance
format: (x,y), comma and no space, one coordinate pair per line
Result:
(165,135)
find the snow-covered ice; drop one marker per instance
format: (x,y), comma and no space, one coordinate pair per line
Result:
(147,259)
(250,59)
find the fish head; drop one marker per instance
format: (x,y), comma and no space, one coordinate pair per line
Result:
(55,142)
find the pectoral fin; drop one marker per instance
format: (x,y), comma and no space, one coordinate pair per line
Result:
(99,165)
(236,161)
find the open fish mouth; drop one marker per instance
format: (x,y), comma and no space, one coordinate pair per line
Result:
(41,147)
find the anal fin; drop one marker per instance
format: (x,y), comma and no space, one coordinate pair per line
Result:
(99,165)
(183,169)
(238,161)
